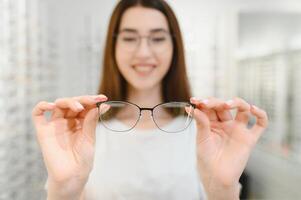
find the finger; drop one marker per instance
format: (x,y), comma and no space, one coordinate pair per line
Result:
(201,105)
(71,114)
(212,103)
(219,106)
(243,109)
(84,112)
(87,102)
(58,113)
(89,124)
(69,103)
(261,121)
(39,110)
(203,125)
(103,108)
(220,112)
(91,100)
(224,115)
(66,104)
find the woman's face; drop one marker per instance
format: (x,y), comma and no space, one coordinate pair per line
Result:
(144,47)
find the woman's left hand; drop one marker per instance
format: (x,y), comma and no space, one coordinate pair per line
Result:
(224,142)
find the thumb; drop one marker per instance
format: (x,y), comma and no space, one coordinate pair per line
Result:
(203,125)
(90,122)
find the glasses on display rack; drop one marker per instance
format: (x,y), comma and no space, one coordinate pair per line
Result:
(162,115)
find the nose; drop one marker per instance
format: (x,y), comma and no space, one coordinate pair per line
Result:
(146,115)
(144,49)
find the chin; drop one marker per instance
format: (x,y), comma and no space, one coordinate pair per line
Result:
(144,85)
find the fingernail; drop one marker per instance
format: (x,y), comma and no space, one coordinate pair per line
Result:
(79,106)
(100,98)
(193,99)
(51,104)
(229,103)
(205,101)
(256,108)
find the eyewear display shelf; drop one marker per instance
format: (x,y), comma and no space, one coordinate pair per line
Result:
(27,65)
(272,83)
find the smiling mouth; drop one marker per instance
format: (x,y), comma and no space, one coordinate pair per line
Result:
(144,70)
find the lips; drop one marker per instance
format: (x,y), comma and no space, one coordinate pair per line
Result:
(144,69)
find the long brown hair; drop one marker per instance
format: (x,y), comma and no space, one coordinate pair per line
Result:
(175,86)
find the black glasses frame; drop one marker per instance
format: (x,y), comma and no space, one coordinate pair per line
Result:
(145,108)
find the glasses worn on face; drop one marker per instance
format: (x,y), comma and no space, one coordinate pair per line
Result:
(158,41)
(130,113)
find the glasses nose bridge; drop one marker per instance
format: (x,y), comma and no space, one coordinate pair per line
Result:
(147,109)
(140,42)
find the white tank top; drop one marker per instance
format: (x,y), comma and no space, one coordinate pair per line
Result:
(144,165)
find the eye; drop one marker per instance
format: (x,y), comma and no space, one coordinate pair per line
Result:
(129,39)
(158,39)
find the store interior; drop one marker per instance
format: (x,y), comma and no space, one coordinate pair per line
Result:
(245,48)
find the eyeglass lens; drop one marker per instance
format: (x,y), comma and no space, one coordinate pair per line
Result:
(157,41)
(129,115)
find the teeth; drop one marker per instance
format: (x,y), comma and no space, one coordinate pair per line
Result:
(143,69)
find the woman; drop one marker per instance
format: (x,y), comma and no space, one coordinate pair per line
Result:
(144,64)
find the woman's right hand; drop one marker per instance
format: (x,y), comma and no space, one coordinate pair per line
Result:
(67,141)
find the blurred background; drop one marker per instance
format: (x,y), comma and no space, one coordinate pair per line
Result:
(246,48)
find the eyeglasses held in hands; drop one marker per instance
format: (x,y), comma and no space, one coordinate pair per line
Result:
(162,114)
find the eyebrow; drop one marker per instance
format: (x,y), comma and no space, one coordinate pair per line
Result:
(151,31)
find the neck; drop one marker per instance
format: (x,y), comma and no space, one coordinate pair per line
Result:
(145,98)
